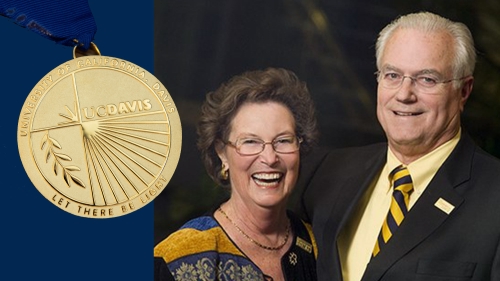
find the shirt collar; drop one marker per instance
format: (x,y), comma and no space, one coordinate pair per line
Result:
(423,169)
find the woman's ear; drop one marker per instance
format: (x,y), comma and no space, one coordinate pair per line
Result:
(221,151)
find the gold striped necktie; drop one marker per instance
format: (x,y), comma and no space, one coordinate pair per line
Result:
(403,186)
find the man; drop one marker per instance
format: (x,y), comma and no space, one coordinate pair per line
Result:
(445,223)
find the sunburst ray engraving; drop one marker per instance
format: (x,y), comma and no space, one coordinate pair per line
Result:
(135,137)
(102,135)
(97,166)
(110,146)
(124,155)
(107,169)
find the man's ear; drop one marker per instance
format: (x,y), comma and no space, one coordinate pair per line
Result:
(466,91)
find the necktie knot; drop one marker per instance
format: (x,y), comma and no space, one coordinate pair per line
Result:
(401,179)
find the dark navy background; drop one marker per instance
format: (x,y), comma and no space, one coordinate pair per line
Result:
(39,240)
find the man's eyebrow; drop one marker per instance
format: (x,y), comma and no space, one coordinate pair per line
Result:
(431,71)
(389,67)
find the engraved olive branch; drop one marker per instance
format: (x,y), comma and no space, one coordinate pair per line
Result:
(58,158)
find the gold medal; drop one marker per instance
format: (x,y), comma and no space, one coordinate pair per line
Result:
(99,137)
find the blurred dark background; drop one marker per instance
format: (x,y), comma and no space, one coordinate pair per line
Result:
(327,43)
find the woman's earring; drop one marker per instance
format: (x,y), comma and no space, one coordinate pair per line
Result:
(224,173)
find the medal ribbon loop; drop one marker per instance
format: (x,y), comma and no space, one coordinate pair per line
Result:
(66,22)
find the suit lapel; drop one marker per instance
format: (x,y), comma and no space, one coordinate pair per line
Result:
(340,186)
(426,215)
(352,185)
(423,219)
(357,183)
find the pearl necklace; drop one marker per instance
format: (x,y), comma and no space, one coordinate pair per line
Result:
(255,242)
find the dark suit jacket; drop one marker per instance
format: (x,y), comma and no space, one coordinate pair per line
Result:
(429,244)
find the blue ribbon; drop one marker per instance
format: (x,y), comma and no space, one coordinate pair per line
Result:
(67,22)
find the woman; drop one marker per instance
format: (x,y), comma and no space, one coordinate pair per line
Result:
(251,134)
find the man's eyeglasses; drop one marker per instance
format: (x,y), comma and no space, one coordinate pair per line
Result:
(254,146)
(394,80)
